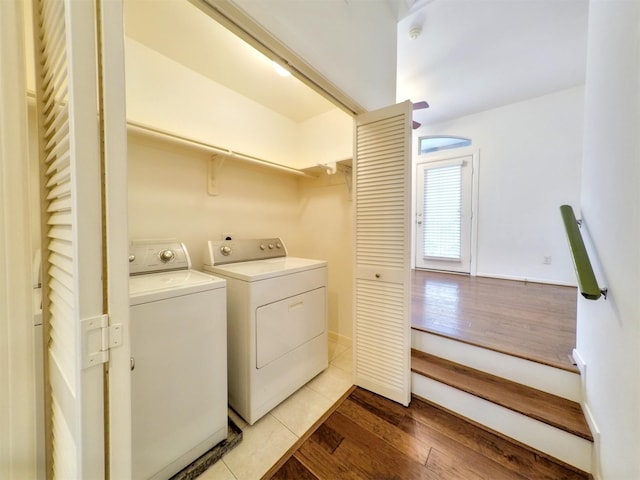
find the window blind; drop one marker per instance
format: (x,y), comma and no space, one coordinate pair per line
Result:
(442,207)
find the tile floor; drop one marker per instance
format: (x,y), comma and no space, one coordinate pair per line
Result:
(264,442)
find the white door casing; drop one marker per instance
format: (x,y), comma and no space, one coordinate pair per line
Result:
(382,284)
(114,137)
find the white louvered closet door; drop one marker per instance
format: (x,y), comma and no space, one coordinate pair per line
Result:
(382,334)
(69,143)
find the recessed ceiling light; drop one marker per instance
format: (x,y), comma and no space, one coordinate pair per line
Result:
(283,72)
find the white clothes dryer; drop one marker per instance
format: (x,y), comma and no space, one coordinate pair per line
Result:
(276,323)
(179,360)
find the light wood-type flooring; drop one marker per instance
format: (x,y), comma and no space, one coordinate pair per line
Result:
(533,321)
(368,437)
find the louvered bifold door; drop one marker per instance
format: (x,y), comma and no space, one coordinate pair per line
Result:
(66,99)
(382,332)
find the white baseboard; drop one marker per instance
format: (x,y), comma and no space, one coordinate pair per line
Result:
(340,339)
(595,431)
(525,279)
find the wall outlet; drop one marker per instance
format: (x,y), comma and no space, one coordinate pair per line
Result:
(227,236)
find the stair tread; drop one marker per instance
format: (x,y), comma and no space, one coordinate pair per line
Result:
(545,407)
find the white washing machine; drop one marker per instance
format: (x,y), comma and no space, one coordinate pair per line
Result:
(179,360)
(276,324)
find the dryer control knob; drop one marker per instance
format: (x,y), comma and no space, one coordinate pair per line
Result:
(262,247)
(278,245)
(132,258)
(225,250)
(271,246)
(166,256)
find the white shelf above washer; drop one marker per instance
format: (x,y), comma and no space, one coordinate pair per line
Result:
(219,152)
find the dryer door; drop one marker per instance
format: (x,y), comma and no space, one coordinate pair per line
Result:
(286,324)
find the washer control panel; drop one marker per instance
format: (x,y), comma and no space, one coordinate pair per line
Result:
(157,256)
(243,250)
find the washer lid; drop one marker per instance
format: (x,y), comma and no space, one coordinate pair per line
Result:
(263,269)
(159,286)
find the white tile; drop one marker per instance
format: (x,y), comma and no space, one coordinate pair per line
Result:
(344,360)
(332,383)
(336,349)
(217,471)
(262,445)
(301,410)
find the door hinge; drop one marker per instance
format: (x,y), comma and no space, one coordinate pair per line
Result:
(97,338)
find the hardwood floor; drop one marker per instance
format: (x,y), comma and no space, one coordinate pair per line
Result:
(369,437)
(529,320)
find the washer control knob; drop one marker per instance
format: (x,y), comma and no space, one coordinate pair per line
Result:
(132,258)
(225,250)
(271,246)
(167,255)
(262,247)
(278,245)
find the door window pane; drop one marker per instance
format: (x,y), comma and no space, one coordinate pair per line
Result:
(442,212)
(441,142)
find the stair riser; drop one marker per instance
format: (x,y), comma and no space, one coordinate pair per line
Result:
(541,377)
(557,443)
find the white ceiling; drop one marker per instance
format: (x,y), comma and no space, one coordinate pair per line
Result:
(180,31)
(471,55)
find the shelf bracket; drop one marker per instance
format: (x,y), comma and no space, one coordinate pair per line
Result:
(347,171)
(214,165)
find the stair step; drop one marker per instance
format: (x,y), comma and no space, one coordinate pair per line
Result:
(544,407)
(535,375)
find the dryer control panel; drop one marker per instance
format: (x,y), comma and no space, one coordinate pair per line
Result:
(243,250)
(154,256)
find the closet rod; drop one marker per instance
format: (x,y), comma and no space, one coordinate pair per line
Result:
(172,137)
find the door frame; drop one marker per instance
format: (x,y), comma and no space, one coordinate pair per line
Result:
(443,155)
(17,368)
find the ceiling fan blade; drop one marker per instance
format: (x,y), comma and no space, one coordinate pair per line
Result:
(415,124)
(420,105)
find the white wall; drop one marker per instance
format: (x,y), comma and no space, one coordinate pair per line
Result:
(326,138)
(164,94)
(168,199)
(325,230)
(529,166)
(608,331)
(17,365)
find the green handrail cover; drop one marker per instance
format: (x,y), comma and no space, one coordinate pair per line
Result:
(587,282)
